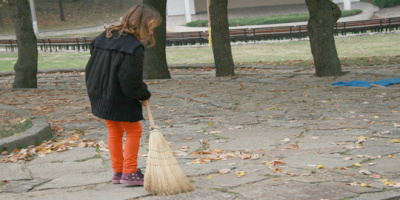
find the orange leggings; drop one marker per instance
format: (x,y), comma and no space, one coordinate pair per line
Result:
(124,159)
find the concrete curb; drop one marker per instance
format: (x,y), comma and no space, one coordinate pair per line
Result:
(39,132)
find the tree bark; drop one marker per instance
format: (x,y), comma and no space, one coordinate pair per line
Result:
(1,17)
(62,16)
(323,17)
(221,43)
(26,65)
(155,59)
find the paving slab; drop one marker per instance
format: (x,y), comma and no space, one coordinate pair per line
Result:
(75,154)
(14,171)
(292,190)
(198,194)
(255,139)
(54,170)
(76,180)
(21,186)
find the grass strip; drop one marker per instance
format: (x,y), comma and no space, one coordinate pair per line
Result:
(269,19)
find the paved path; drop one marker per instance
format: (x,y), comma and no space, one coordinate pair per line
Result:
(265,113)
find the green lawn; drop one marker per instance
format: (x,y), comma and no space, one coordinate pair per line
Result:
(360,50)
(269,19)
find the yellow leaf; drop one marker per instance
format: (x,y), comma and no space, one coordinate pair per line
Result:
(48,151)
(364,185)
(357,164)
(209,176)
(391,156)
(390,183)
(362,138)
(396,141)
(240,174)
(320,167)
(383,180)
(267,163)
(277,170)
(348,129)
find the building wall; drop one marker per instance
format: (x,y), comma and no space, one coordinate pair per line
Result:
(177,7)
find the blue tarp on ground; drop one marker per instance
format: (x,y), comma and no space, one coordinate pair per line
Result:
(383,82)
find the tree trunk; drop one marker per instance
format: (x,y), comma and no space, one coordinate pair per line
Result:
(60,3)
(1,17)
(323,17)
(221,43)
(155,59)
(26,66)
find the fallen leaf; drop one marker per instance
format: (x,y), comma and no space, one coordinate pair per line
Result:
(4,153)
(357,164)
(375,176)
(290,174)
(224,171)
(362,138)
(291,146)
(397,185)
(320,167)
(342,168)
(240,174)
(364,172)
(364,185)
(348,158)
(4,181)
(387,183)
(189,138)
(277,170)
(256,156)
(391,156)
(275,163)
(353,184)
(209,176)
(395,141)
(245,156)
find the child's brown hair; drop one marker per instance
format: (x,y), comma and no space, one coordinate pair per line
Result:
(140,21)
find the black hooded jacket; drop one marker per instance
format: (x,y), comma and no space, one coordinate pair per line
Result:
(114,78)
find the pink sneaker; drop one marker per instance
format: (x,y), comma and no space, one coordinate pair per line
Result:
(116,178)
(133,178)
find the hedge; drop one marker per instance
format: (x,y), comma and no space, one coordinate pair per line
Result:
(268,19)
(386,3)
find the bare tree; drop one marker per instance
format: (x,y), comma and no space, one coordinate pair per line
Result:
(221,44)
(323,17)
(26,65)
(155,59)
(1,16)
(60,4)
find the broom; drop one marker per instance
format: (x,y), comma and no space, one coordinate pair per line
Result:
(163,174)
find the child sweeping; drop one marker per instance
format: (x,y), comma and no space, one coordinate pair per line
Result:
(114,81)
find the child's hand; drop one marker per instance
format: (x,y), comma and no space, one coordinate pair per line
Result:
(145,102)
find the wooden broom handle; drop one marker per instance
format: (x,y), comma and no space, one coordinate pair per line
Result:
(152,125)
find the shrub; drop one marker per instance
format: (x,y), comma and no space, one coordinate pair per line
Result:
(386,3)
(268,19)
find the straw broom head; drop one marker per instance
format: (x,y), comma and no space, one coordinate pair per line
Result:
(163,174)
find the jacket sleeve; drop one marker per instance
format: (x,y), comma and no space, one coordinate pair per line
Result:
(130,75)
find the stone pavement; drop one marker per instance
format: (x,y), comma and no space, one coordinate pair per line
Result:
(292,134)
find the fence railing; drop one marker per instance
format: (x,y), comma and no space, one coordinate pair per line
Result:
(243,35)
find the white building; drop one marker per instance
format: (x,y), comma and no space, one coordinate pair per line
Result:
(177,7)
